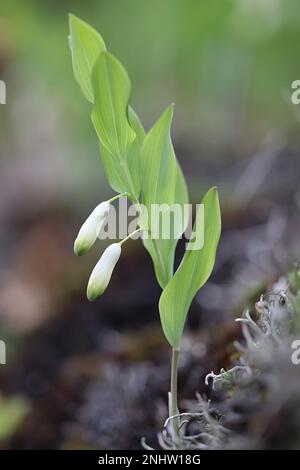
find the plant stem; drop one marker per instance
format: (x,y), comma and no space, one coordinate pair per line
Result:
(114,198)
(173,406)
(129,236)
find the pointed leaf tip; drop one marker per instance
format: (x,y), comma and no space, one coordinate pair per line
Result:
(86,44)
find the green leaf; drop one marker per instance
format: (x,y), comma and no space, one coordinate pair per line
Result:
(134,157)
(111,87)
(116,176)
(115,122)
(162,183)
(193,272)
(181,194)
(113,171)
(86,45)
(159,162)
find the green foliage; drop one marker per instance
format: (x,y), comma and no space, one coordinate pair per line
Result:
(104,82)
(193,272)
(111,93)
(85,44)
(159,175)
(163,183)
(144,166)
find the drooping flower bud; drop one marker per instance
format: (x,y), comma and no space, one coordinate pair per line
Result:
(91,228)
(102,272)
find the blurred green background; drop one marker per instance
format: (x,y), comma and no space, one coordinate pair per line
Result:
(228,66)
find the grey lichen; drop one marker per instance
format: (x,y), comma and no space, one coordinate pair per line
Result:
(256,402)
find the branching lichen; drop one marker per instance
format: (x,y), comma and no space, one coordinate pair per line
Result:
(247,400)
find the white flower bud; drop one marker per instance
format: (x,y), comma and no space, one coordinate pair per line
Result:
(102,272)
(91,228)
